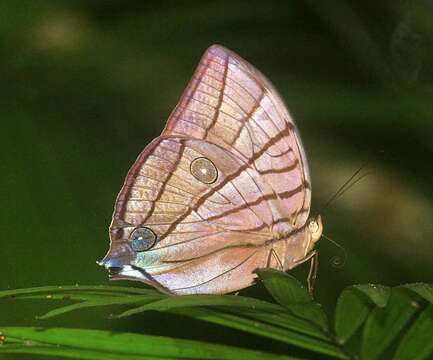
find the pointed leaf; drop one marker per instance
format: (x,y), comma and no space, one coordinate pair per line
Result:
(383,325)
(351,311)
(422,289)
(353,307)
(284,288)
(378,294)
(417,344)
(290,293)
(313,312)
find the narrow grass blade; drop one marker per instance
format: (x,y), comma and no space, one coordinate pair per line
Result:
(133,344)
(282,320)
(206,300)
(263,329)
(239,305)
(123,300)
(73,296)
(71,353)
(68,288)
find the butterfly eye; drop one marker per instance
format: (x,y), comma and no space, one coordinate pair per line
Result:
(313,226)
(204,170)
(142,239)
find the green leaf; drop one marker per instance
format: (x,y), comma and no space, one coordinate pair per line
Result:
(353,307)
(422,289)
(238,305)
(66,289)
(81,295)
(129,344)
(290,293)
(351,311)
(72,296)
(90,296)
(384,324)
(124,300)
(284,288)
(72,353)
(260,322)
(252,309)
(313,312)
(205,300)
(417,344)
(378,294)
(253,326)
(294,320)
(283,320)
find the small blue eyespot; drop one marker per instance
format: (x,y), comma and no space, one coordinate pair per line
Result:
(142,239)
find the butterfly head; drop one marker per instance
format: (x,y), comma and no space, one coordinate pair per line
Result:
(315,227)
(127,241)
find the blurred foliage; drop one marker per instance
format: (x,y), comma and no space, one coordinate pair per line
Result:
(85,85)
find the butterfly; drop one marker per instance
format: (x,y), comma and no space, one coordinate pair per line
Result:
(223,191)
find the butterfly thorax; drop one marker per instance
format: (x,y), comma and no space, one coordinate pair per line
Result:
(314,228)
(295,246)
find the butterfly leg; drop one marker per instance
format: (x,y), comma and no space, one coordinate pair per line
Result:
(272,253)
(312,273)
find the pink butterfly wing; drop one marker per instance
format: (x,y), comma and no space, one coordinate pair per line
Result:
(211,237)
(230,103)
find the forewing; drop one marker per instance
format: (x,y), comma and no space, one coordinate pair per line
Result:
(230,103)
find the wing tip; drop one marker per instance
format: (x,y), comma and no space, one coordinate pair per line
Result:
(217,49)
(221,51)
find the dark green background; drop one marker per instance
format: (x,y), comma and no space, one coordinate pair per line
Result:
(85,85)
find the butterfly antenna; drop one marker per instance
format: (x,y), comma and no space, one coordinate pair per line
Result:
(337,261)
(354,182)
(346,186)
